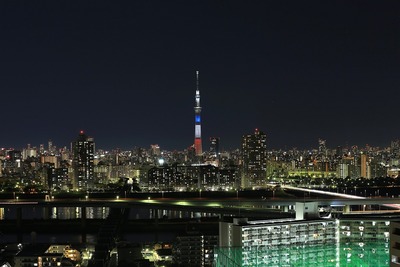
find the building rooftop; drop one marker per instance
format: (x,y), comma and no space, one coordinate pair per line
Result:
(36,250)
(386,215)
(242,221)
(164,252)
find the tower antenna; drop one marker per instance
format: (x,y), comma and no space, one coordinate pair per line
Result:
(197,80)
(197,119)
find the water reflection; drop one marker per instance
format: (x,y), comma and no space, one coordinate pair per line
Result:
(70,213)
(62,213)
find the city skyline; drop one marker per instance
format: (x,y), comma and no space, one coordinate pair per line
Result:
(125,72)
(209,145)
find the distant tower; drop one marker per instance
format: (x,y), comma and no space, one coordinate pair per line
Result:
(197,120)
(83,165)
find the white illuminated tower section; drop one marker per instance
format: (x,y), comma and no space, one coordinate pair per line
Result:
(197,120)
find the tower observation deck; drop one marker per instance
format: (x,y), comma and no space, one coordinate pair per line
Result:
(197,120)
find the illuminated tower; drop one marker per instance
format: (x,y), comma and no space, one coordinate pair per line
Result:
(197,120)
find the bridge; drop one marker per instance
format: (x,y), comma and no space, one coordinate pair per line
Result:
(222,206)
(265,207)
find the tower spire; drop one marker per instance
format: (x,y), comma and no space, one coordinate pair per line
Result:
(197,80)
(197,119)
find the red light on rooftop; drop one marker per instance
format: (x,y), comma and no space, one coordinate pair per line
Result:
(81,132)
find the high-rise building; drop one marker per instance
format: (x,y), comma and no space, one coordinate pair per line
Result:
(343,170)
(41,148)
(50,146)
(28,152)
(321,146)
(351,240)
(279,242)
(155,150)
(254,159)
(214,146)
(365,167)
(83,156)
(55,161)
(197,120)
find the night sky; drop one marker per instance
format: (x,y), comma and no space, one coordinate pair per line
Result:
(124,72)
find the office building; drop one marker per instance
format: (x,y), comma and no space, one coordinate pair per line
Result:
(50,159)
(254,159)
(83,164)
(365,166)
(51,148)
(155,150)
(214,146)
(28,152)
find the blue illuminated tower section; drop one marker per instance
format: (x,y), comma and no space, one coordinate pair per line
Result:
(197,120)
